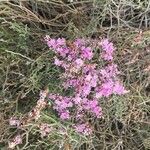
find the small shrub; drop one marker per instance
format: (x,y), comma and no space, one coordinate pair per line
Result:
(88,77)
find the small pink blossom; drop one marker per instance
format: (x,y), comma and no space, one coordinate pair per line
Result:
(108,72)
(105,90)
(64,115)
(87,53)
(16,140)
(11,145)
(86,90)
(62,51)
(107,46)
(13,121)
(41,103)
(97,111)
(51,43)
(57,62)
(79,43)
(45,129)
(119,89)
(83,128)
(60,41)
(88,78)
(79,62)
(108,49)
(77,99)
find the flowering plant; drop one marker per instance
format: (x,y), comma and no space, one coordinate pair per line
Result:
(87,79)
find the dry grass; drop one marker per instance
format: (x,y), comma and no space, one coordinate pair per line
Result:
(26,66)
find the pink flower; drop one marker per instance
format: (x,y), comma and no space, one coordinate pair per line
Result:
(107,46)
(86,104)
(105,90)
(94,80)
(51,43)
(71,83)
(41,103)
(77,99)
(87,52)
(11,145)
(109,72)
(97,111)
(17,140)
(57,62)
(93,103)
(107,56)
(83,128)
(80,127)
(63,103)
(61,42)
(87,131)
(64,115)
(45,129)
(62,51)
(108,49)
(79,62)
(86,89)
(92,106)
(14,122)
(36,115)
(119,89)
(79,42)
(88,78)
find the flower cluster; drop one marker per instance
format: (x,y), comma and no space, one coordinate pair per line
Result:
(88,81)
(33,115)
(110,83)
(45,129)
(15,141)
(13,121)
(41,103)
(83,128)
(108,49)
